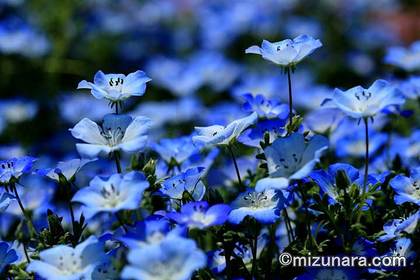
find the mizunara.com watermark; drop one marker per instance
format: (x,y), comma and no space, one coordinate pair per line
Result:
(287,259)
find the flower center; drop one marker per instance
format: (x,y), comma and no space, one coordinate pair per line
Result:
(116,83)
(289,165)
(363,96)
(257,199)
(416,189)
(7,166)
(111,195)
(70,265)
(113,136)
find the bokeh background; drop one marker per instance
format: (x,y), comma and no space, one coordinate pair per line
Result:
(192,49)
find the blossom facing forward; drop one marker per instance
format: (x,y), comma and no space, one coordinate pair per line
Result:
(221,135)
(186,182)
(288,52)
(359,102)
(291,158)
(200,215)
(117,132)
(63,262)
(118,192)
(116,87)
(174,258)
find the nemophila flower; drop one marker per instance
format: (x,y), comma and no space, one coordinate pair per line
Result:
(403,247)
(176,149)
(359,102)
(405,58)
(323,120)
(263,206)
(410,87)
(7,255)
(407,148)
(116,87)
(364,247)
(151,231)
(353,144)
(200,215)
(63,262)
(221,135)
(326,180)
(407,189)
(14,168)
(175,258)
(265,108)
(16,35)
(188,182)
(291,158)
(117,132)
(67,168)
(287,52)
(17,110)
(74,107)
(254,135)
(118,192)
(395,227)
(266,84)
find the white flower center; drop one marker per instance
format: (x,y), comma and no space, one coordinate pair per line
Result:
(70,265)
(289,166)
(113,136)
(257,199)
(111,195)
(116,83)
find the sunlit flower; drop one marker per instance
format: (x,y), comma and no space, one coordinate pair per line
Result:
(177,149)
(7,255)
(186,182)
(396,227)
(221,135)
(263,206)
(175,258)
(407,188)
(66,168)
(117,132)
(291,158)
(287,52)
(200,215)
(118,192)
(63,262)
(14,168)
(359,102)
(265,108)
(116,87)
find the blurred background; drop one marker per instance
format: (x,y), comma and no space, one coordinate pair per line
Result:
(192,49)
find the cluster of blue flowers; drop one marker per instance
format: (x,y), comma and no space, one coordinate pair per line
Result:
(189,188)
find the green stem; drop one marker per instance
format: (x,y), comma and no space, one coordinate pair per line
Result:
(22,208)
(290,234)
(365,178)
(290,96)
(254,255)
(236,165)
(117,161)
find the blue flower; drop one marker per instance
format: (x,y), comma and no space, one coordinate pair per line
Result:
(359,102)
(403,247)
(188,181)
(410,87)
(178,149)
(116,87)
(290,158)
(364,247)
(14,168)
(175,258)
(323,120)
(395,227)
(326,180)
(265,108)
(63,262)
(254,135)
(405,58)
(263,206)
(17,110)
(287,52)
(117,132)
(353,144)
(220,135)
(407,189)
(67,168)
(7,255)
(149,232)
(199,215)
(118,192)
(5,200)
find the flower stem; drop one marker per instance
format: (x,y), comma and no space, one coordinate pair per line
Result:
(236,164)
(117,161)
(22,208)
(121,222)
(254,254)
(289,228)
(365,178)
(290,96)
